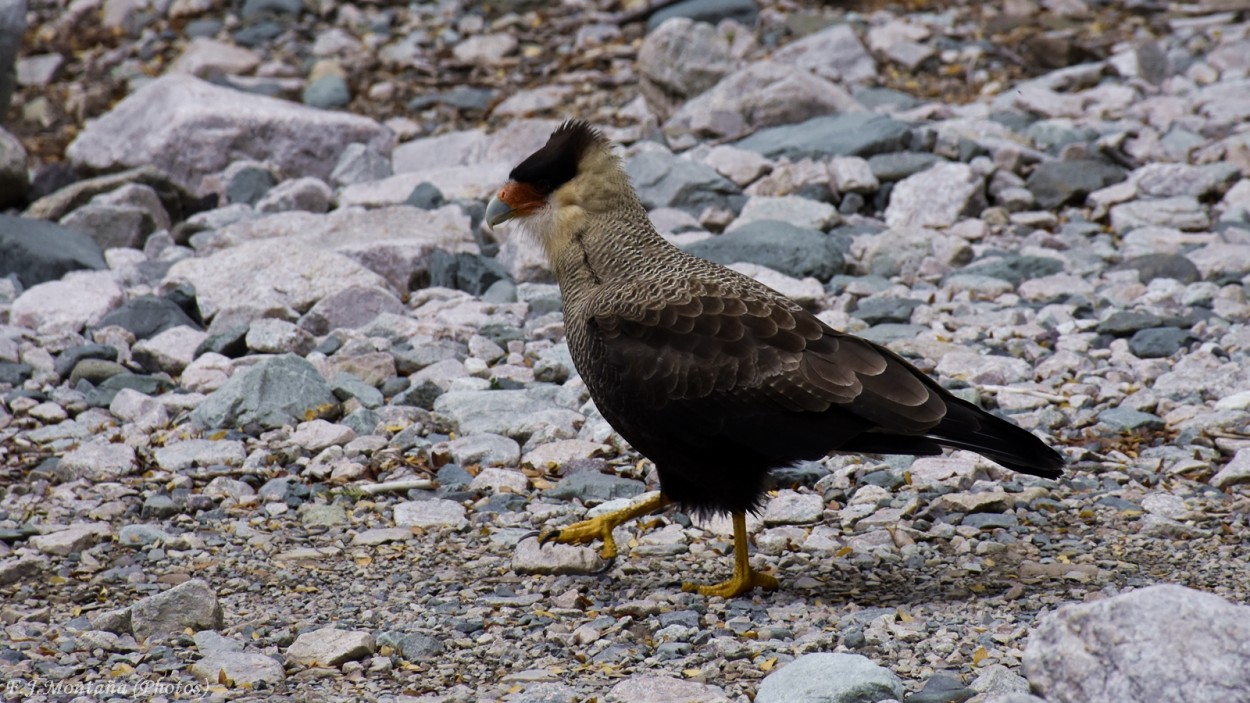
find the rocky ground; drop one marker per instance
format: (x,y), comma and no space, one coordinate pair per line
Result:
(279,416)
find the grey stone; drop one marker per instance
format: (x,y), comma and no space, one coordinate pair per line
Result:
(1123,323)
(463,98)
(306,194)
(345,385)
(283,390)
(1143,646)
(1152,266)
(471,273)
(413,646)
(852,134)
(148,316)
(170,351)
(835,53)
(242,669)
(330,646)
(937,197)
(294,259)
(896,166)
(794,251)
(14,374)
(982,369)
(484,450)
(877,309)
(38,251)
(485,48)
(70,540)
(533,558)
(829,678)
(360,163)
(68,359)
(792,508)
(100,461)
(1158,342)
(1055,183)
(512,413)
(1129,420)
(247,184)
(327,92)
(434,512)
(1169,180)
(1219,259)
(190,129)
(350,308)
(272,336)
(253,9)
(1054,134)
(1014,268)
(888,332)
(1234,472)
(1182,212)
(79,299)
(762,94)
(710,11)
(189,604)
(665,180)
(426,196)
(19,569)
(312,515)
(142,535)
(679,60)
(179,456)
(595,486)
(274,274)
(205,57)
(792,209)
(362,420)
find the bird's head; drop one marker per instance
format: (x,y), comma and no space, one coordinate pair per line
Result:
(573,176)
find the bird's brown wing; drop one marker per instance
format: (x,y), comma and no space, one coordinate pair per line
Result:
(760,355)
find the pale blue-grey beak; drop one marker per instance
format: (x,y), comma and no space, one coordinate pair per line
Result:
(498,212)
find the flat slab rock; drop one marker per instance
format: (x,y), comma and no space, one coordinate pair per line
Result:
(190,604)
(1163,643)
(188,127)
(238,669)
(330,646)
(533,558)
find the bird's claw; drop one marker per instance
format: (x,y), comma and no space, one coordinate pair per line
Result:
(736,585)
(584,531)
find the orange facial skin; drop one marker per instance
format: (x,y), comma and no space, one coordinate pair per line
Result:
(523,198)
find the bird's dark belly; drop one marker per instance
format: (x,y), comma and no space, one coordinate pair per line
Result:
(702,473)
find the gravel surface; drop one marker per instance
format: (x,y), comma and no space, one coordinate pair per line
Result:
(279,418)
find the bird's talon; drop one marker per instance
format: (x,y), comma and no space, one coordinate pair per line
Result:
(736,585)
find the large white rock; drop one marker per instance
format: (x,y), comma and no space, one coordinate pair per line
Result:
(1163,643)
(393,242)
(270,273)
(190,128)
(80,298)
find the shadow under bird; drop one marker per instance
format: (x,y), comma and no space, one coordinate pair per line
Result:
(714,377)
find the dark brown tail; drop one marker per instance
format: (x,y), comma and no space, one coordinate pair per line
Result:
(968,427)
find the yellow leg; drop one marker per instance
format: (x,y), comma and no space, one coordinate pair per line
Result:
(744,577)
(601,527)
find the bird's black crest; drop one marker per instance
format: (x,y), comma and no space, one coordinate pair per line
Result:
(556,163)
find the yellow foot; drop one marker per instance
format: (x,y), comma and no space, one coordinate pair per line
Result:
(745,578)
(585,531)
(736,585)
(601,527)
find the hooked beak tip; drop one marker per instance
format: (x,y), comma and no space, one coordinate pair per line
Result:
(498,212)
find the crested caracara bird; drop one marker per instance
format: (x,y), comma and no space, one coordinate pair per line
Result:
(714,377)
